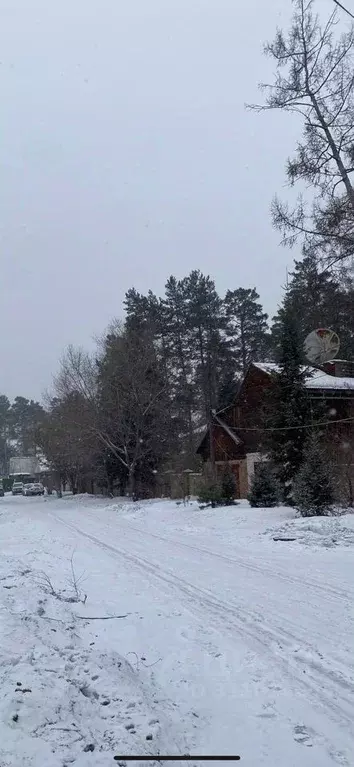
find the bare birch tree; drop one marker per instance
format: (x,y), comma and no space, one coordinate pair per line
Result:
(77,373)
(314,79)
(133,403)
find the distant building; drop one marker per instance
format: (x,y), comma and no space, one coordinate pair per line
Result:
(24,465)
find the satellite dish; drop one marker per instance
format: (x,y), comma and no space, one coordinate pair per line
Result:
(321,345)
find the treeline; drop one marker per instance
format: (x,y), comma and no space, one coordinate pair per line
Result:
(139,404)
(136,407)
(19,422)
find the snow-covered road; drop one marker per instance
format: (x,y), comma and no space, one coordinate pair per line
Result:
(233,643)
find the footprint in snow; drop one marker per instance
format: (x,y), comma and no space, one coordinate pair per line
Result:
(268,711)
(304,735)
(338,757)
(307,737)
(88,692)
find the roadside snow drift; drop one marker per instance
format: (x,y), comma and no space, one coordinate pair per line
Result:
(62,698)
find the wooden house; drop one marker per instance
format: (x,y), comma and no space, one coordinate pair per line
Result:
(234,437)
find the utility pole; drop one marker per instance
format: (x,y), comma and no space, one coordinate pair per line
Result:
(211,433)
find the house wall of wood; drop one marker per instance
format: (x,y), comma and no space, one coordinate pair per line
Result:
(225,448)
(239,470)
(339,443)
(246,413)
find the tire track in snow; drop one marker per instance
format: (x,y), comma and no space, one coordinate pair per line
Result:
(328,591)
(329,687)
(253,567)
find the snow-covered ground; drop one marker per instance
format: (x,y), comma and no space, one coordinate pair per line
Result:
(233,642)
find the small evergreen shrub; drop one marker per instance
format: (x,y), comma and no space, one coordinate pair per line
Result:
(218,491)
(313,489)
(228,486)
(264,492)
(210,496)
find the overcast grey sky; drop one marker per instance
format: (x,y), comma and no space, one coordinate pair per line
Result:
(127,155)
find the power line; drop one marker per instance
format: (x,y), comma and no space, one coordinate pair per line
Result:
(288,428)
(343,8)
(281,428)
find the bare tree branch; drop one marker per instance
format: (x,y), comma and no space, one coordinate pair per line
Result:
(343,8)
(315,79)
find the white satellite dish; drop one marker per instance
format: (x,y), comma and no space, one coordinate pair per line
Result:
(321,345)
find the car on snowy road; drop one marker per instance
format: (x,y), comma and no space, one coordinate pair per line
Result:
(37,488)
(27,488)
(17,488)
(33,488)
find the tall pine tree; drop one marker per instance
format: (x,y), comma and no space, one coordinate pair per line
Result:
(180,359)
(4,426)
(140,313)
(204,323)
(187,329)
(288,409)
(318,299)
(246,327)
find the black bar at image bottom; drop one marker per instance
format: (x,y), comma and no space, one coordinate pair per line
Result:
(172,758)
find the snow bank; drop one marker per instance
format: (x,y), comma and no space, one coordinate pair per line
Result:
(229,523)
(63,699)
(324,531)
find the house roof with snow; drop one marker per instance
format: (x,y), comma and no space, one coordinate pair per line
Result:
(316,379)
